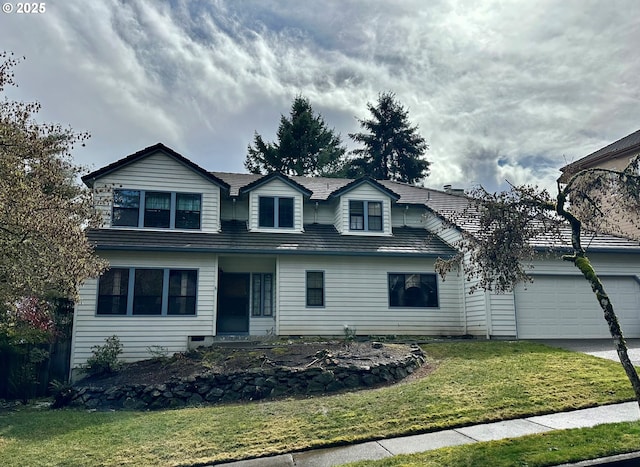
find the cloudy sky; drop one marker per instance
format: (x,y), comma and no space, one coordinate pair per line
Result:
(501,90)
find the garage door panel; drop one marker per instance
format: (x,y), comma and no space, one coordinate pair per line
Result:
(565,307)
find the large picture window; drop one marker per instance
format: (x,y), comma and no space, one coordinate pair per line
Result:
(156,209)
(413,290)
(147,291)
(262,294)
(275,212)
(365,215)
(315,288)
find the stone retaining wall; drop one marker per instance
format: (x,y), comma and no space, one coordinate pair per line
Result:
(212,388)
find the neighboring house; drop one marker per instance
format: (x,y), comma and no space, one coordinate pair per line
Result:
(615,156)
(198,255)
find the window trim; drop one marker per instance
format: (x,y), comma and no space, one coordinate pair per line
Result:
(276,212)
(142,200)
(365,215)
(322,289)
(405,274)
(166,272)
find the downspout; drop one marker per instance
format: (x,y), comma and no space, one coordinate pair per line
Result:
(464,299)
(487,312)
(276,305)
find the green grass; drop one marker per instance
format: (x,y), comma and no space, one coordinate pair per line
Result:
(474,382)
(546,449)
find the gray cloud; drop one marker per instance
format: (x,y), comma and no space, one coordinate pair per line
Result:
(499,89)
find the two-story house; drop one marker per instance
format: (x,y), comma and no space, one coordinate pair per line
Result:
(197,255)
(615,156)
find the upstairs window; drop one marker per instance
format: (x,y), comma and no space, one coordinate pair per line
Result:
(156,209)
(365,215)
(126,208)
(188,210)
(413,290)
(146,291)
(275,212)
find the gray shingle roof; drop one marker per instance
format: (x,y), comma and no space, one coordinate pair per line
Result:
(629,142)
(158,147)
(234,238)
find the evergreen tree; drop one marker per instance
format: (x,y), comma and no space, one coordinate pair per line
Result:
(393,148)
(305,146)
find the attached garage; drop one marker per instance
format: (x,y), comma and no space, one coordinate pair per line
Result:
(555,306)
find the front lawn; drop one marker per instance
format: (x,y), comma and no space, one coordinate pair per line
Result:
(474,382)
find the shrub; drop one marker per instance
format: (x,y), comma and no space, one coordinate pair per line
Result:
(158,352)
(62,393)
(105,357)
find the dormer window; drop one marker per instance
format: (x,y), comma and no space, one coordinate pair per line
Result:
(365,215)
(156,209)
(276,212)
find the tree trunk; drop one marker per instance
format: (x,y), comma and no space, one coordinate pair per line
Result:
(581,261)
(584,265)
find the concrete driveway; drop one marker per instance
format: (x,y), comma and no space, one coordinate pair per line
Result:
(602,348)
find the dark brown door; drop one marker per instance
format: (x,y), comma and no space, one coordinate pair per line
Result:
(233,303)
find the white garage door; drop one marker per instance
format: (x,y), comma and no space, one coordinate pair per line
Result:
(565,307)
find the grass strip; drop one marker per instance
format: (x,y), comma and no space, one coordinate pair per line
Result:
(545,449)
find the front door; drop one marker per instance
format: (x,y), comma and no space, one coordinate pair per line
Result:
(233,303)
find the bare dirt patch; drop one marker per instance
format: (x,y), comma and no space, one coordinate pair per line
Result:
(233,358)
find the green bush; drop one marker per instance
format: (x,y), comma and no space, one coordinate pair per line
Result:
(105,357)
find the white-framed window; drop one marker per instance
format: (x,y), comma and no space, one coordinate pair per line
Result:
(413,290)
(315,288)
(365,215)
(276,212)
(262,294)
(147,291)
(156,209)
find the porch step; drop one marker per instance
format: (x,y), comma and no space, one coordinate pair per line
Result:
(225,341)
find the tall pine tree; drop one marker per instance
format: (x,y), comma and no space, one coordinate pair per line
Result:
(305,146)
(392,148)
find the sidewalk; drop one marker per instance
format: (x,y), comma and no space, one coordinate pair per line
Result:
(374,450)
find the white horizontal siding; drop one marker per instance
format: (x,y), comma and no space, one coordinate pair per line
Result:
(320,213)
(410,216)
(162,173)
(280,189)
(364,192)
(136,333)
(238,211)
(447,233)
(502,315)
(356,294)
(262,326)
